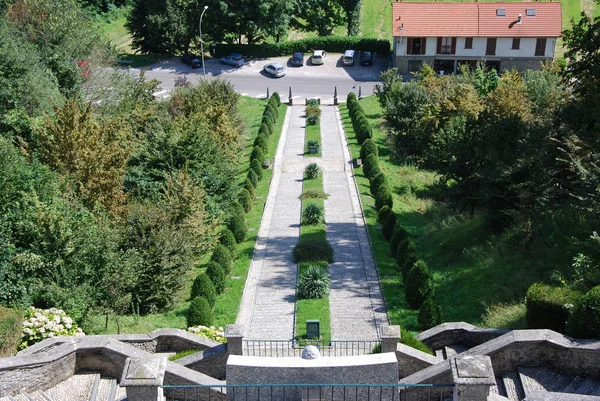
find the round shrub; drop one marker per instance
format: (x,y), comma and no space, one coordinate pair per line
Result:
(367,148)
(404,250)
(257,154)
(262,142)
(265,129)
(227,239)
(237,209)
(374,171)
(313,283)
(364,132)
(419,285)
(252,177)
(271,107)
(216,273)
(315,250)
(204,287)
(256,166)
(351,97)
(384,197)
(245,199)
(222,256)
(313,143)
(312,214)
(277,98)
(312,171)
(369,163)
(409,262)
(389,226)
(312,119)
(585,319)
(546,307)
(376,182)
(237,225)
(249,187)
(310,110)
(312,102)
(267,122)
(399,235)
(39,324)
(199,312)
(271,113)
(430,314)
(383,214)
(269,116)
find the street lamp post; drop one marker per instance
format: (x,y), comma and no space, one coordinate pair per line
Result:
(201,42)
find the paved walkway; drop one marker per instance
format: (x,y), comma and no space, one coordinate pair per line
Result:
(356,302)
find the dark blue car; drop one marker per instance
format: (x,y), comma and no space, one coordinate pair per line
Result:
(298,59)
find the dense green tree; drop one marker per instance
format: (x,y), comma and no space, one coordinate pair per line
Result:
(322,15)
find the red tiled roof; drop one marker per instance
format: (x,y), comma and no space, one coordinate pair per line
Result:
(476,19)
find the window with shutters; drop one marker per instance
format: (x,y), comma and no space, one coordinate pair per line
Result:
(468,43)
(490,49)
(446,46)
(540,47)
(415,45)
(516,45)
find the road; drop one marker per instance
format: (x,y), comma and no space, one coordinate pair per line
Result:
(305,82)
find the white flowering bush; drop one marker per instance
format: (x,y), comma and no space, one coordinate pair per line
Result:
(212,332)
(40,324)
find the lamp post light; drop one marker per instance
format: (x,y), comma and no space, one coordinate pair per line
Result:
(201,42)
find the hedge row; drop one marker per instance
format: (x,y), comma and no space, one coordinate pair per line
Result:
(360,124)
(208,285)
(333,44)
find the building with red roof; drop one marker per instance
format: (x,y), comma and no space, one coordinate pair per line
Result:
(503,35)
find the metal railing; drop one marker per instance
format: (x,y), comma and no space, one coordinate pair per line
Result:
(293,348)
(310,392)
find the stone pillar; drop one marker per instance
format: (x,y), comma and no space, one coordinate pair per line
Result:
(473,376)
(390,335)
(234,333)
(143,378)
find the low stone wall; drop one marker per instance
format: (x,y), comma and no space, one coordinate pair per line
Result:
(458,333)
(411,360)
(211,362)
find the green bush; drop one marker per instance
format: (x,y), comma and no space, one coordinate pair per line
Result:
(314,194)
(277,98)
(222,256)
(312,171)
(237,209)
(250,188)
(266,129)
(390,225)
(409,262)
(313,109)
(204,287)
(313,119)
(199,313)
(227,239)
(216,273)
(546,307)
(312,102)
(419,285)
(405,249)
(383,214)
(384,197)
(399,235)
(585,318)
(257,154)
(408,339)
(262,142)
(358,119)
(10,331)
(351,97)
(267,120)
(313,283)
(374,171)
(245,199)
(237,225)
(376,182)
(252,177)
(256,166)
(273,110)
(312,214)
(314,250)
(364,132)
(367,148)
(430,314)
(314,143)
(369,163)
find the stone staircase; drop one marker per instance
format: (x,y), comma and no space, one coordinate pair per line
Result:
(79,387)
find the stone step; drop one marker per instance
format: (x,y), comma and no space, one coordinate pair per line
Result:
(586,386)
(573,384)
(76,388)
(513,387)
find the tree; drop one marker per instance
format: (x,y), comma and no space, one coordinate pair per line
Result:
(352,10)
(322,15)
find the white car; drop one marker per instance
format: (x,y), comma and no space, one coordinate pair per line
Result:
(318,56)
(275,69)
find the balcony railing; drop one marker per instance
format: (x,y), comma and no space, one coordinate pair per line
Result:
(293,348)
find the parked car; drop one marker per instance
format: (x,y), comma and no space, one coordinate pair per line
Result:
(192,60)
(318,56)
(234,59)
(366,58)
(298,59)
(349,57)
(275,69)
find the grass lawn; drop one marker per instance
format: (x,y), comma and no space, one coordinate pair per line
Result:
(313,133)
(376,19)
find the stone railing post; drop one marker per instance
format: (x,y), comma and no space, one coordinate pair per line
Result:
(390,335)
(234,333)
(143,378)
(473,376)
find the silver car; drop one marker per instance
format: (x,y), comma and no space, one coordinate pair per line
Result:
(318,56)
(275,69)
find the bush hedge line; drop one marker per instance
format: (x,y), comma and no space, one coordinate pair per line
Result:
(333,44)
(546,307)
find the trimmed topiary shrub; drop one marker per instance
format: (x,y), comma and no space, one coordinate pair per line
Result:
(430,314)
(312,171)
(277,98)
(256,166)
(10,331)
(351,97)
(272,108)
(369,163)
(409,262)
(546,307)
(376,182)
(383,214)
(222,256)
(265,129)
(419,285)
(312,119)
(384,197)
(245,199)
(585,318)
(358,120)
(237,225)
(252,177)
(399,235)
(314,250)
(364,132)
(313,283)
(262,142)
(374,171)
(249,187)
(257,154)
(227,239)
(389,226)
(268,122)
(404,250)
(237,209)
(270,113)
(204,287)
(313,109)
(199,313)
(216,273)
(367,148)
(312,214)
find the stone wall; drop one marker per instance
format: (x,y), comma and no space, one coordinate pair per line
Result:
(458,333)
(211,362)
(411,360)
